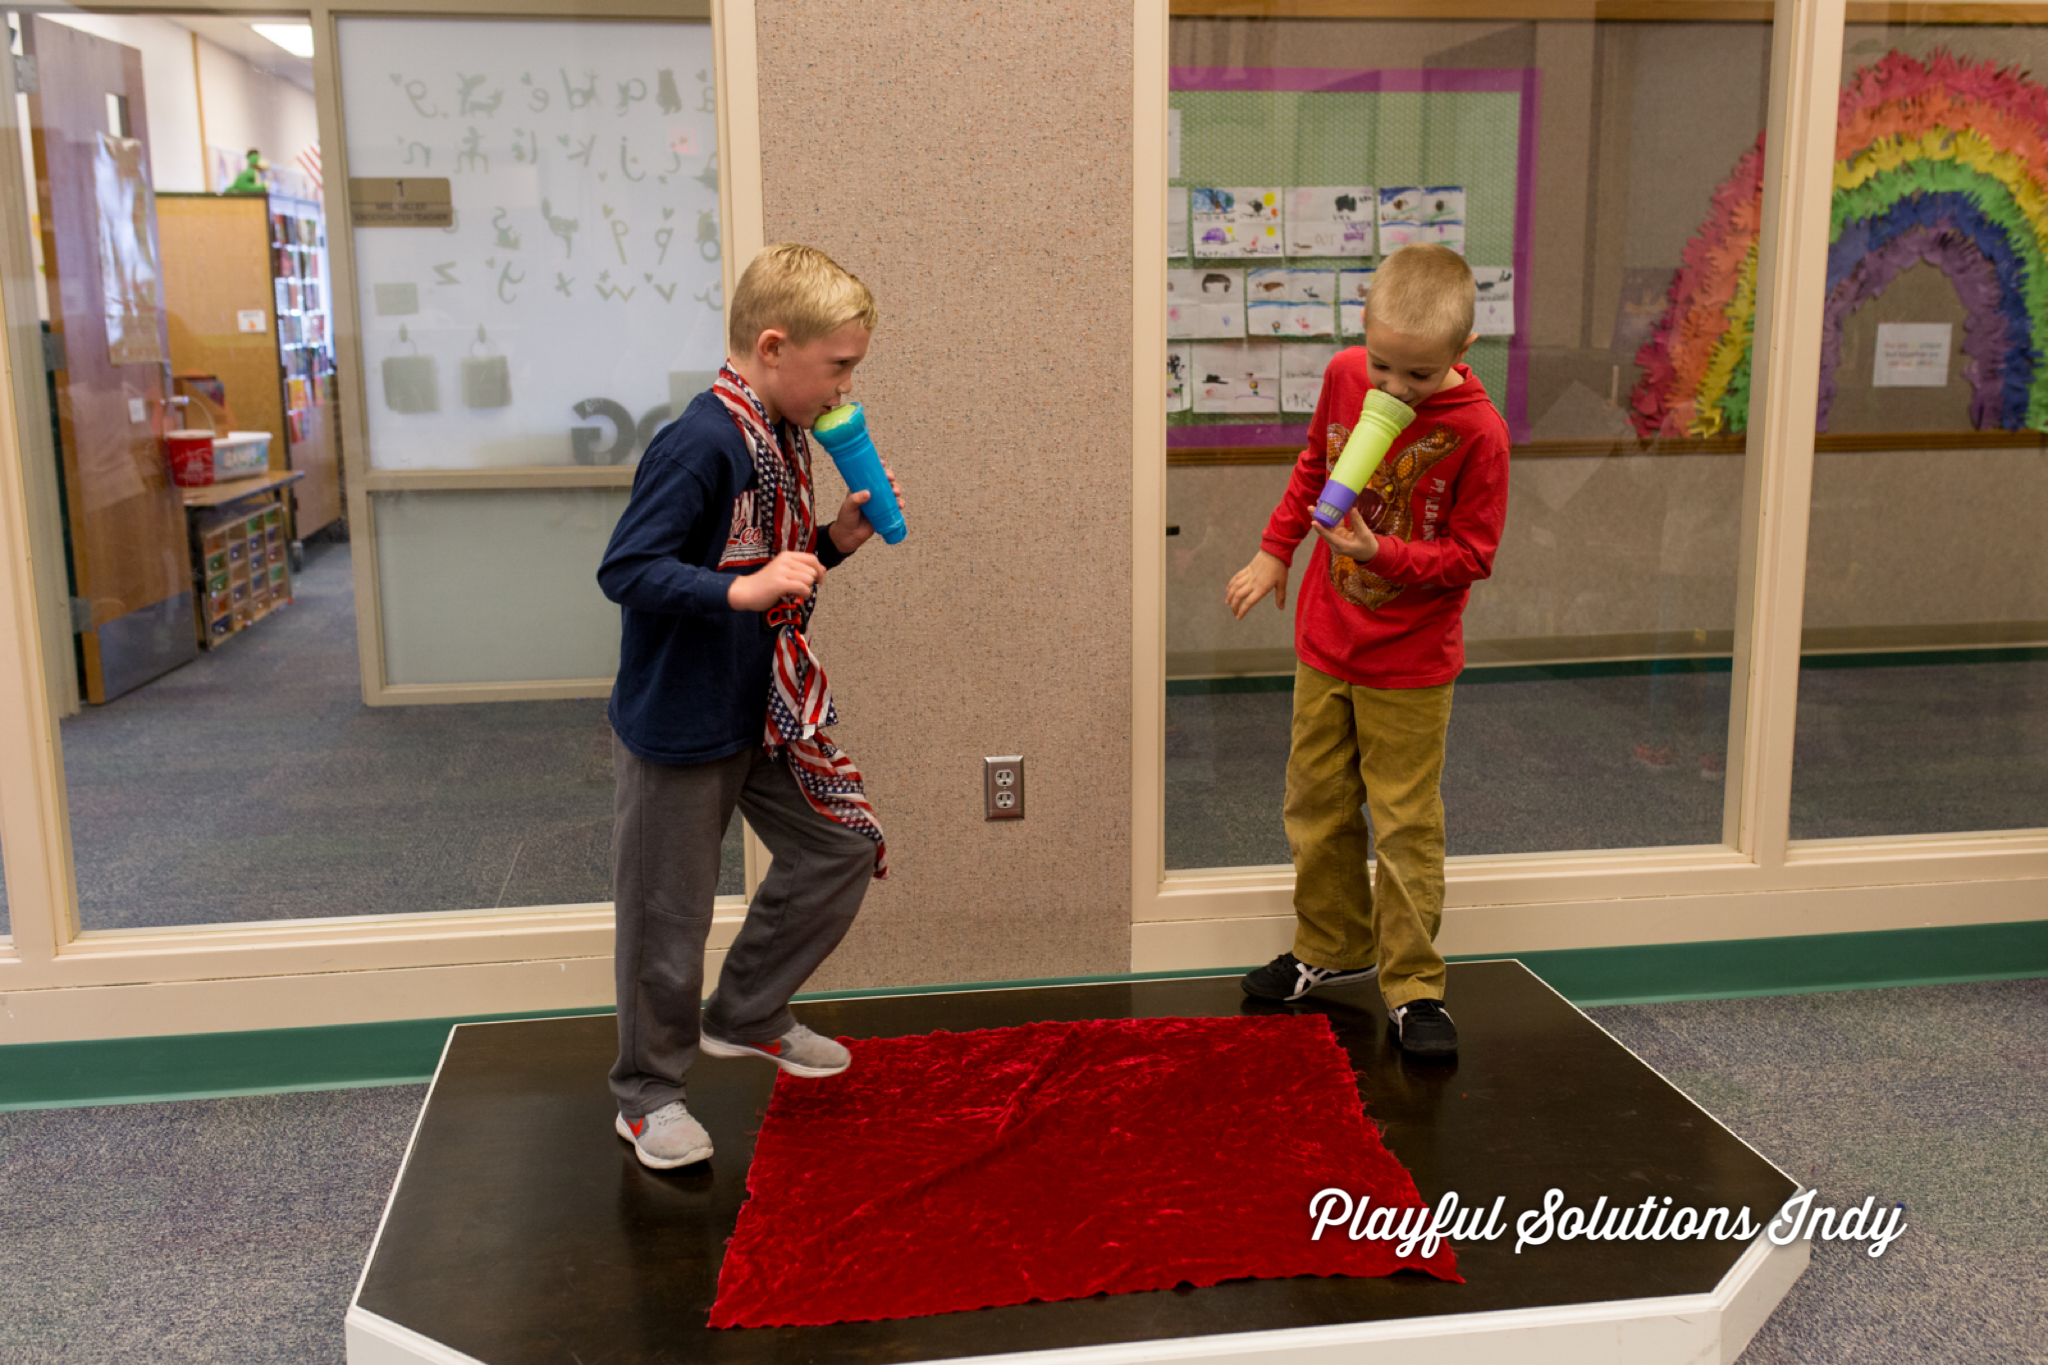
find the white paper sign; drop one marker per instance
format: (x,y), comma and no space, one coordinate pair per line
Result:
(1236,221)
(1493,308)
(1330,220)
(1238,376)
(1352,288)
(1282,301)
(1204,303)
(1912,355)
(1180,363)
(1301,375)
(1176,222)
(1422,213)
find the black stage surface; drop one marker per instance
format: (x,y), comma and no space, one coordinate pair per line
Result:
(523,1229)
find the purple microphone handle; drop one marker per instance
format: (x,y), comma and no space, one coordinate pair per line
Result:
(1334,504)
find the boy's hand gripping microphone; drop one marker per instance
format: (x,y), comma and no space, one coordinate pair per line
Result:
(844,434)
(1380,422)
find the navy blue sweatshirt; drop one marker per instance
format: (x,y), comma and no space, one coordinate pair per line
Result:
(693,673)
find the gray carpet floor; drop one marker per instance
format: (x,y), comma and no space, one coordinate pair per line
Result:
(253,784)
(1539,766)
(234,1229)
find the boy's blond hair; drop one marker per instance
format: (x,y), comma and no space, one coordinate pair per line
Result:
(799,290)
(1424,291)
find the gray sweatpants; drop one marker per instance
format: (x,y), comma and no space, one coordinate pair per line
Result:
(668,823)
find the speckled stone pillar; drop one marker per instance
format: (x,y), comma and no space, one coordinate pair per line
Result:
(972,163)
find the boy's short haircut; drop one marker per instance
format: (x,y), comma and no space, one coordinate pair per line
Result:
(1424,290)
(798,290)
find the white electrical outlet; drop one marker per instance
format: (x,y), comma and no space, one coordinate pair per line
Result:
(1002,787)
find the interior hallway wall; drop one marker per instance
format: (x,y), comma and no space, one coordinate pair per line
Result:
(989,210)
(170,90)
(246,107)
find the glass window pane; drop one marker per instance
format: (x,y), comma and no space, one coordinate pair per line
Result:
(567,176)
(1923,689)
(1586,171)
(225,766)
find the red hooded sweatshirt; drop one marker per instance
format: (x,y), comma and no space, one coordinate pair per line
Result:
(1398,621)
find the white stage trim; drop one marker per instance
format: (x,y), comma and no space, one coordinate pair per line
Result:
(1688,1329)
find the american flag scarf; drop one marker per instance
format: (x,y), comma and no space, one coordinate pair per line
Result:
(799,699)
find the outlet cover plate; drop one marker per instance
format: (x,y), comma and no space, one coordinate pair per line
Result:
(1002,787)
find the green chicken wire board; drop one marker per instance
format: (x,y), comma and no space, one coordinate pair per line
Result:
(1282,138)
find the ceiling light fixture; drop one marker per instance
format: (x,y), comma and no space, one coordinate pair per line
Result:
(296,39)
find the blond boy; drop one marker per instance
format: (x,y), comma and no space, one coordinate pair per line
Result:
(716,564)
(1379,637)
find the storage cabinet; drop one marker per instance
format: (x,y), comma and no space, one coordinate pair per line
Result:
(245,288)
(298,252)
(241,555)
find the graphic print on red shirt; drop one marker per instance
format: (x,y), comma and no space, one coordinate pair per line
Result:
(1393,484)
(1436,505)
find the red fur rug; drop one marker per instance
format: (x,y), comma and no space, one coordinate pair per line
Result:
(1055,1161)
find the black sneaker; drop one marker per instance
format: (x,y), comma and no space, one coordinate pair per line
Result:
(1287,977)
(1424,1029)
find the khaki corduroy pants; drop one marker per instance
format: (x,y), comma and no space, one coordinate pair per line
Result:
(1380,749)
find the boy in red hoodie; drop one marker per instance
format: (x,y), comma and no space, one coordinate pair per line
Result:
(1379,634)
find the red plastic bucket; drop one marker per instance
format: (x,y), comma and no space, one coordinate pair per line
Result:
(191,454)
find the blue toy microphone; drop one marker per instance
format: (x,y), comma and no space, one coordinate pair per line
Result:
(844,434)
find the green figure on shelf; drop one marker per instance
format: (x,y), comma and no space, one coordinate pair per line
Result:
(250,181)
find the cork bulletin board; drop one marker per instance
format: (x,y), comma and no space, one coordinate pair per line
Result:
(1285,127)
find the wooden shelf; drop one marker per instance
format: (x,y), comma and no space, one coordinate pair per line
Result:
(234,490)
(1828,443)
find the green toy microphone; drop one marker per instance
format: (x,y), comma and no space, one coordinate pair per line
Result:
(1380,422)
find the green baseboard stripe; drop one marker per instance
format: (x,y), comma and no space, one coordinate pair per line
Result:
(212,1065)
(404,1052)
(1727,969)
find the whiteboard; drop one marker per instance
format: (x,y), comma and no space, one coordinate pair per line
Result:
(577,299)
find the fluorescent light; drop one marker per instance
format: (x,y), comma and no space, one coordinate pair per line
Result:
(296,39)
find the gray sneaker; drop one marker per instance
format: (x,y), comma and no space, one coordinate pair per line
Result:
(666,1138)
(800,1052)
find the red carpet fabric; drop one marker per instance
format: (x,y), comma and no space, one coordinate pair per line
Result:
(1055,1161)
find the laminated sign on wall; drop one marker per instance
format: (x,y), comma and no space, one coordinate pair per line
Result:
(1912,355)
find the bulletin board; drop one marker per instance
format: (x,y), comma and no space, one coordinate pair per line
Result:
(1286,127)
(1940,206)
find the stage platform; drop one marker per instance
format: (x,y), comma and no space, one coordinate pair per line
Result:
(521,1230)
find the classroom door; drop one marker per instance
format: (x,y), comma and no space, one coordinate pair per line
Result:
(129,559)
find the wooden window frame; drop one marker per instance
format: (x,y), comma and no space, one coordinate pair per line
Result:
(1758,882)
(58,982)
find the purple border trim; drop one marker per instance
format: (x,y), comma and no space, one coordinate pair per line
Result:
(1226,435)
(1526,81)
(1392,81)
